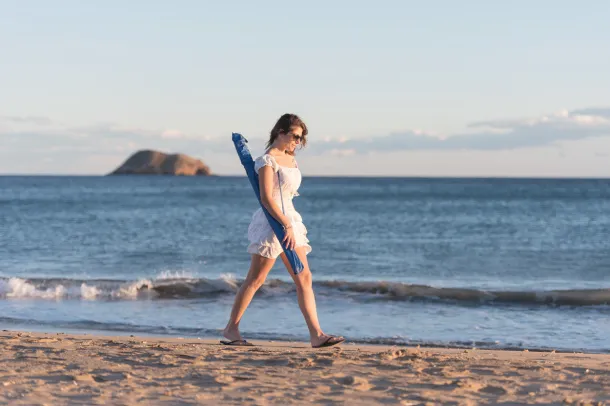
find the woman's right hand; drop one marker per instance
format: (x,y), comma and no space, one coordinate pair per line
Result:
(289,239)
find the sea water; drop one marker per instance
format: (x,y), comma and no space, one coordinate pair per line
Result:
(490,263)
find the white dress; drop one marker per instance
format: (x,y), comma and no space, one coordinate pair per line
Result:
(263,240)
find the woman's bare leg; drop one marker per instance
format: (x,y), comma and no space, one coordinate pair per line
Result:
(306,298)
(259,269)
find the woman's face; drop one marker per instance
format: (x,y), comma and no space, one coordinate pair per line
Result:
(293,138)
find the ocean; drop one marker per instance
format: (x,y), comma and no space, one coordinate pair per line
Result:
(486,263)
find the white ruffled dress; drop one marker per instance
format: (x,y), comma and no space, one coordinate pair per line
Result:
(263,240)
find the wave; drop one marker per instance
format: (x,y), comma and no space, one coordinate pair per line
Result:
(186,287)
(404,291)
(110,289)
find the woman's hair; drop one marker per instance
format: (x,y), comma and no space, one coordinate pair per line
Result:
(284,124)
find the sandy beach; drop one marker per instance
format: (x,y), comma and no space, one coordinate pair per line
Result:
(57,369)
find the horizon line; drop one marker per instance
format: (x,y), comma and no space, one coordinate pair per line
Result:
(526,177)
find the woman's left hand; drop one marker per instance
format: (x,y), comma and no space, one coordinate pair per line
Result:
(289,239)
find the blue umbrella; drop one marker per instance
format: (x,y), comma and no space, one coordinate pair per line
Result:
(246,160)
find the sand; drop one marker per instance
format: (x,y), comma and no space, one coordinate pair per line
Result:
(58,369)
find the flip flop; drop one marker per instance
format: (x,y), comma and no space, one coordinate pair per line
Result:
(238,343)
(330,341)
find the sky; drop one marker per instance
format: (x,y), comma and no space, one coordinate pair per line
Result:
(387,88)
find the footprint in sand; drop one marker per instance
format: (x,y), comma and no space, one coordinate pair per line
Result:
(324,361)
(83,378)
(224,379)
(494,390)
(401,355)
(475,386)
(355,382)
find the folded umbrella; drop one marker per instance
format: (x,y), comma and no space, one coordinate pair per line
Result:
(246,160)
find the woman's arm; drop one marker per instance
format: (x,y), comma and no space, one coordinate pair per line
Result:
(265,180)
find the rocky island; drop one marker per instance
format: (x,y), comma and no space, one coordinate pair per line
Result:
(150,162)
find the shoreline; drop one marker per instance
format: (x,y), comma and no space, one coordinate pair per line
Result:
(60,368)
(376,343)
(381,342)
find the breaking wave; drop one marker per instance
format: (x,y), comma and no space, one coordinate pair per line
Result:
(404,291)
(186,287)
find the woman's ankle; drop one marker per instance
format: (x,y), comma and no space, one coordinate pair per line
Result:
(230,327)
(316,334)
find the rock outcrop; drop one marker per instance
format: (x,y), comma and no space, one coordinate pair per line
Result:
(149,162)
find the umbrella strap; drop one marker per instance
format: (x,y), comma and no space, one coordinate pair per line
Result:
(280,184)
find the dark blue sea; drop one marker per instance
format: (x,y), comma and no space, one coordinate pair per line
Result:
(499,263)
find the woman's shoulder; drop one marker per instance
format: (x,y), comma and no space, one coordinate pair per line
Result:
(265,160)
(266,157)
(270,160)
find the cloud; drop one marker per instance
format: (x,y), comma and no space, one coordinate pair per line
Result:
(601,112)
(342,152)
(86,149)
(31,136)
(36,120)
(172,134)
(107,138)
(503,134)
(561,120)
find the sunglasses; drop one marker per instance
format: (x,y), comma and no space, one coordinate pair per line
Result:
(296,137)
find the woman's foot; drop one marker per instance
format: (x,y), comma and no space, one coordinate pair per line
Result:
(234,338)
(326,340)
(231,333)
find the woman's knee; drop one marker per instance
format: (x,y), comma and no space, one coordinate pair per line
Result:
(256,282)
(303,279)
(259,269)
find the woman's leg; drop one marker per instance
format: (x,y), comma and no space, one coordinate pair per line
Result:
(307,300)
(259,269)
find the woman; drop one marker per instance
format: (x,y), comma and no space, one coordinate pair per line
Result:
(277,166)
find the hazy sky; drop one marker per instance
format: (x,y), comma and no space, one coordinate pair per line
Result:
(475,88)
